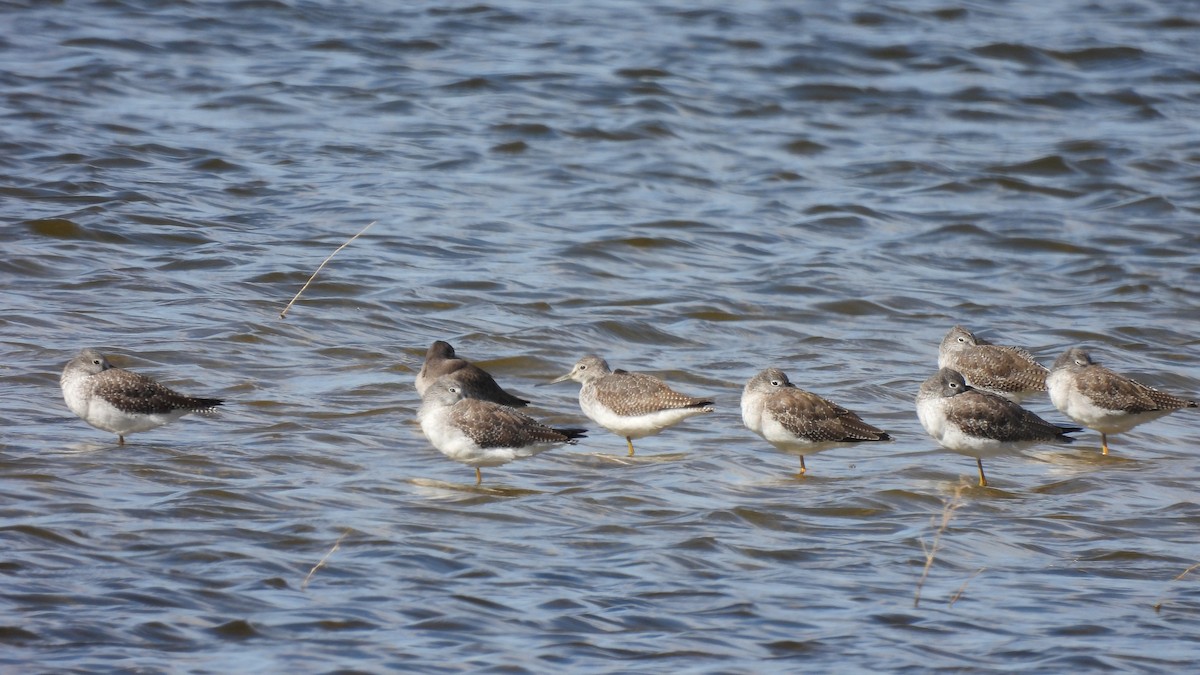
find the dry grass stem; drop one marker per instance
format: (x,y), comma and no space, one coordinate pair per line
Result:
(962,589)
(1158,605)
(336,545)
(319,267)
(949,507)
(1186,572)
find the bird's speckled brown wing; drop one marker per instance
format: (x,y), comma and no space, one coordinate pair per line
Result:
(1113,391)
(1001,368)
(132,392)
(630,394)
(490,425)
(813,418)
(985,415)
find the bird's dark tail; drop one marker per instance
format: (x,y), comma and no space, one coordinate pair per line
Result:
(1064,429)
(203,405)
(571,432)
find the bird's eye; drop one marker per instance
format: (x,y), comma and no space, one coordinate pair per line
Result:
(583,367)
(962,339)
(96,362)
(1080,362)
(775,383)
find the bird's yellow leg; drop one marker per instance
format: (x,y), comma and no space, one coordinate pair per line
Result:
(630,442)
(803,469)
(982,478)
(478,476)
(1103,443)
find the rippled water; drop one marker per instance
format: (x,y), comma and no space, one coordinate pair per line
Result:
(695,190)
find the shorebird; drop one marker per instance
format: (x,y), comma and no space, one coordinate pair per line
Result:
(1011,372)
(121,401)
(797,421)
(440,360)
(482,433)
(978,423)
(1100,399)
(631,405)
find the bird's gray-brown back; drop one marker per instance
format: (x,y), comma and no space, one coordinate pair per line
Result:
(489,424)
(1007,370)
(811,417)
(631,394)
(1111,390)
(986,415)
(131,392)
(441,360)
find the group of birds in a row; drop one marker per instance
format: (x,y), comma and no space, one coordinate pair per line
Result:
(971,405)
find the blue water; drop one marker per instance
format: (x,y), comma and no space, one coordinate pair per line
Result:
(697,191)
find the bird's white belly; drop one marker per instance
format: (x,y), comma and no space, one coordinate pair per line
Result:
(955,440)
(752,413)
(75,394)
(448,439)
(932,415)
(637,426)
(104,415)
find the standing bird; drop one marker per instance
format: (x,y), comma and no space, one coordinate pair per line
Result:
(631,405)
(1010,372)
(483,433)
(978,423)
(121,401)
(1100,399)
(799,422)
(440,360)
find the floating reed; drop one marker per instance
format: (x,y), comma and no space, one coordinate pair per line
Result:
(962,589)
(1158,605)
(949,506)
(314,274)
(336,545)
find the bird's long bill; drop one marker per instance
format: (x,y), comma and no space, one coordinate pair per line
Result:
(564,378)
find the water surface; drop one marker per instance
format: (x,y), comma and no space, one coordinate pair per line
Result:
(695,191)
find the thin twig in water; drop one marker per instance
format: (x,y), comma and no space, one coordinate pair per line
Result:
(948,510)
(337,544)
(314,274)
(1158,605)
(962,589)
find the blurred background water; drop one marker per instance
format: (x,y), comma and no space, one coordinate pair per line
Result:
(695,190)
